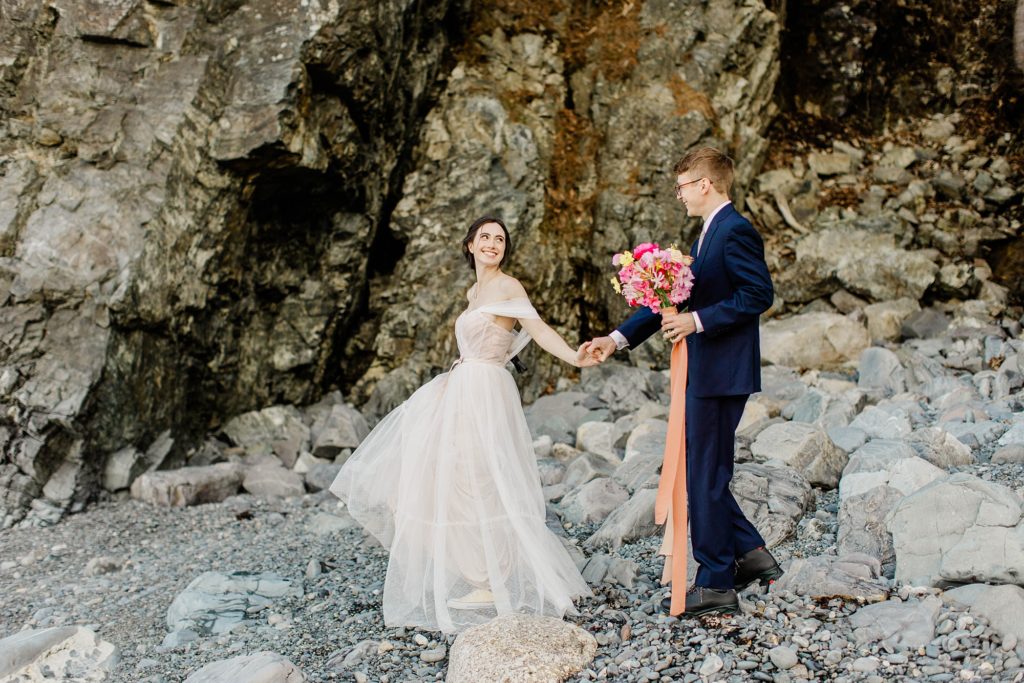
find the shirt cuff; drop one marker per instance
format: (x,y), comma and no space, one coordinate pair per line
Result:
(696,321)
(620,339)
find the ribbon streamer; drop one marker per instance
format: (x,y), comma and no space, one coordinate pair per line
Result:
(670,506)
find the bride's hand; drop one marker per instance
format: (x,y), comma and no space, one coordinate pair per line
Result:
(584,358)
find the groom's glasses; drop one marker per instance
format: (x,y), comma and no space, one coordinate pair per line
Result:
(680,186)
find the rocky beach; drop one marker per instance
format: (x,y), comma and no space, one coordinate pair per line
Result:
(228,247)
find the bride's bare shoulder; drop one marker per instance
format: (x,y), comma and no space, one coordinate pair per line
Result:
(512,288)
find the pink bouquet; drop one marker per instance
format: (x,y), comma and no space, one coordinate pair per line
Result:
(653,277)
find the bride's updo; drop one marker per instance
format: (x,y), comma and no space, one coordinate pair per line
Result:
(471,235)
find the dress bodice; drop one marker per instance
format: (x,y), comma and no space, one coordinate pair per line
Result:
(480,338)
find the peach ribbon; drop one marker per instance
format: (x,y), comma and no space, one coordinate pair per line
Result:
(670,504)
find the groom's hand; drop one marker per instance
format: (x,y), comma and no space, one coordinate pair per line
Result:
(677,327)
(601,348)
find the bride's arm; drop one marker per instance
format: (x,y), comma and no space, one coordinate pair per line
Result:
(544,336)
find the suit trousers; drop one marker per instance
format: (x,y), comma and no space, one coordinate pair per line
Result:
(719,531)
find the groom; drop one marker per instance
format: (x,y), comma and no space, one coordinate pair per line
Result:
(731,289)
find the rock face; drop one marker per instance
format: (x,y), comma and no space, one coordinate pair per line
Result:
(570,181)
(980,539)
(189,196)
(520,647)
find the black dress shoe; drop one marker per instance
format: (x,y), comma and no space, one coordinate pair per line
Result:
(701,600)
(756,565)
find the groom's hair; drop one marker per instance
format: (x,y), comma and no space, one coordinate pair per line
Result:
(471,235)
(709,163)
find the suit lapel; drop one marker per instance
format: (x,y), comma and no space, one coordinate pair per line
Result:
(709,239)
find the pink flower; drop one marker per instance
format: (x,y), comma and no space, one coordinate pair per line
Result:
(644,248)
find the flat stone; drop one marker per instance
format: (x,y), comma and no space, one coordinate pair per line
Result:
(783,657)
(900,625)
(851,577)
(259,667)
(214,602)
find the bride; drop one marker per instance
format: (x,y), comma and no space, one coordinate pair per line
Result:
(448,480)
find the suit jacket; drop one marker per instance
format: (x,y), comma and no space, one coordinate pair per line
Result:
(732,288)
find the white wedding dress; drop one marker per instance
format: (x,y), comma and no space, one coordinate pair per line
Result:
(448,483)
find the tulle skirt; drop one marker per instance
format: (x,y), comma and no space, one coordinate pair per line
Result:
(448,483)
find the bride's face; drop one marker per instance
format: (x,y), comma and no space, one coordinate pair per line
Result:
(488,246)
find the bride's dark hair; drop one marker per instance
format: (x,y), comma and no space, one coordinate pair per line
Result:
(471,235)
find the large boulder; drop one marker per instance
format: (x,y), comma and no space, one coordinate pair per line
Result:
(340,428)
(278,429)
(804,447)
(593,501)
(189,485)
(880,371)
(886,318)
(630,521)
(273,481)
(813,340)
(773,497)
(878,476)
(959,529)
(520,647)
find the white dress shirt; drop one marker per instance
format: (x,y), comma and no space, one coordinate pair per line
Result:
(620,339)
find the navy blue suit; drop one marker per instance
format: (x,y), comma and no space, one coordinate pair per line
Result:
(731,289)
